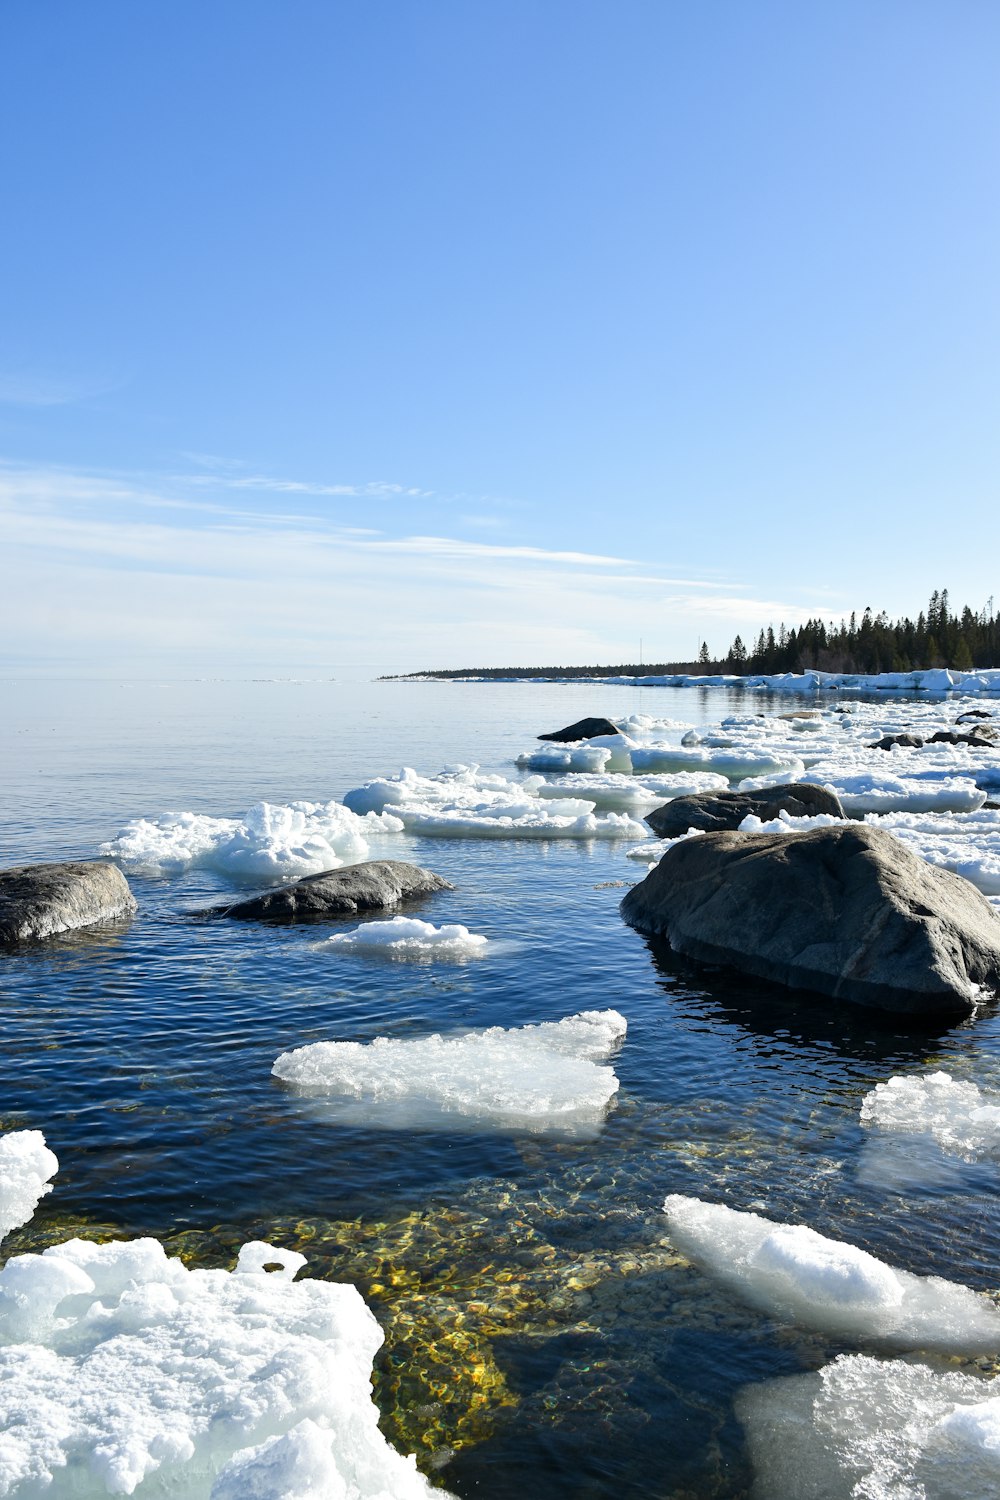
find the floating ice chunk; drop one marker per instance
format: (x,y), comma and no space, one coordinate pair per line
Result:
(734,764)
(869,1429)
(26,1164)
(462,804)
(270,842)
(408,937)
(799,1276)
(532,1077)
(585,756)
(153,1378)
(877,792)
(957,1115)
(630,793)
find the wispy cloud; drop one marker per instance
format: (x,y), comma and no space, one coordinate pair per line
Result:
(106,560)
(21,387)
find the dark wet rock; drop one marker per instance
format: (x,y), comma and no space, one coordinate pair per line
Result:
(583,729)
(375,885)
(905,739)
(39,900)
(848,911)
(981,735)
(715,811)
(973,713)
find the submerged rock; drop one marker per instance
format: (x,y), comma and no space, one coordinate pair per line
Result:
(848,911)
(713,812)
(583,729)
(39,900)
(372,886)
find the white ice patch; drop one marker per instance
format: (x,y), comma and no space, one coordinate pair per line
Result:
(630,793)
(270,842)
(26,1165)
(460,803)
(785,822)
(606,753)
(733,764)
(544,1077)
(124,1373)
(798,1276)
(958,1116)
(966,843)
(877,791)
(409,938)
(869,1429)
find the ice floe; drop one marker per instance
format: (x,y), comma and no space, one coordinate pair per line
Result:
(26,1165)
(270,842)
(955,1114)
(623,793)
(461,803)
(122,1372)
(870,1429)
(409,938)
(543,1077)
(798,1276)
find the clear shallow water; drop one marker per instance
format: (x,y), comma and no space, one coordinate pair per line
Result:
(537,1320)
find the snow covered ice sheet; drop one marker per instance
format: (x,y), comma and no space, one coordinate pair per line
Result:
(546,1077)
(122,1372)
(798,1276)
(270,842)
(869,1429)
(410,938)
(460,803)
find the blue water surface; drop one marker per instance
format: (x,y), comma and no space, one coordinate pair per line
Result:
(144,1051)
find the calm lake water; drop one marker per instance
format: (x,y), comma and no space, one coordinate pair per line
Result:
(542,1337)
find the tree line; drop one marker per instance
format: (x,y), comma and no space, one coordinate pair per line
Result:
(938,637)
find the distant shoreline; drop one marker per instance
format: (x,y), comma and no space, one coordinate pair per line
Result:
(929,680)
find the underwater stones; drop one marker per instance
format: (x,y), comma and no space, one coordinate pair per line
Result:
(714,811)
(373,885)
(847,911)
(39,900)
(583,729)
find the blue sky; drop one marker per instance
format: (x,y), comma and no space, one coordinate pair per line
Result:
(445,333)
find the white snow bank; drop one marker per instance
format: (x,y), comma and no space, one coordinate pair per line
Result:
(26,1164)
(122,1372)
(408,937)
(958,1116)
(796,1275)
(459,803)
(270,842)
(869,1429)
(531,1077)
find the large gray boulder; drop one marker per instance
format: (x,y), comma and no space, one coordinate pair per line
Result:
(375,885)
(848,911)
(583,729)
(39,900)
(714,812)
